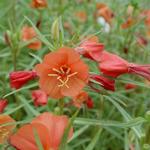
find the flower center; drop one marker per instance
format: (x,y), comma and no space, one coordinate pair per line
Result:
(63,74)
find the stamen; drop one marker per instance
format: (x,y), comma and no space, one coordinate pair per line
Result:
(61,69)
(70,75)
(62,75)
(54,69)
(52,75)
(68,70)
(63,84)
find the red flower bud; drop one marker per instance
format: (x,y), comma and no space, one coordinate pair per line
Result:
(130,86)
(19,78)
(141,70)
(90,103)
(106,83)
(114,66)
(3,104)
(39,97)
(91,50)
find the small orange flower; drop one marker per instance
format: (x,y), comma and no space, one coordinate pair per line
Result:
(49,128)
(104,11)
(82,15)
(62,73)
(146,15)
(5,131)
(39,3)
(128,23)
(28,33)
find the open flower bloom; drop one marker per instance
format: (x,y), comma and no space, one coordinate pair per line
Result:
(29,34)
(62,73)
(106,83)
(39,3)
(146,15)
(114,66)
(39,97)
(49,128)
(3,104)
(20,78)
(6,130)
(104,11)
(128,23)
(90,49)
(81,15)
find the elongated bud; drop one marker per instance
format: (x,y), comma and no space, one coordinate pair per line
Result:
(55,30)
(90,103)
(141,70)
(20,78)
(106,83)
(3,104)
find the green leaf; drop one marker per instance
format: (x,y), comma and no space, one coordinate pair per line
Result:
(66,133)
(79,132)
(94,140)
(126,116)
(28,106)
(94,122)
(21,89)
(37,139)
(41,36)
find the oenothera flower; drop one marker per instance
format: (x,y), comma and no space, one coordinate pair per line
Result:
(39,3)
(48,127)
(114,66)
(146,15)
(39,97)
(20,78)
(62,73)
(6,127)
(90,49)
(104,11)
(28,34)
(3,104)
(82,15)
(128,23)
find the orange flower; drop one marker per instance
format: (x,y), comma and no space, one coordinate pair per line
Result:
(104,11)
(28,33)
(128,23)
(49,128)
(62,73)
(82,15)
(5,131)
(146,15)
(39,3)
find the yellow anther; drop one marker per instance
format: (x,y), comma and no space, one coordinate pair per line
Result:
(56,70)
(52,75)
(70,75)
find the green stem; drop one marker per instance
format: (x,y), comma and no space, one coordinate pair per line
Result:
(61,106)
